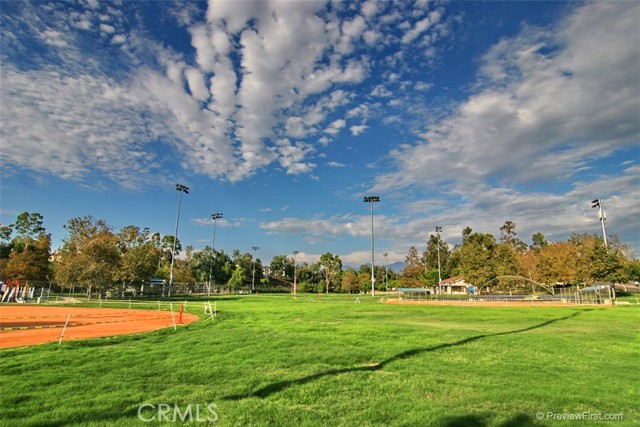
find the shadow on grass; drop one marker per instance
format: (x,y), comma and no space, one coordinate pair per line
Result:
(484,420)
(281,385)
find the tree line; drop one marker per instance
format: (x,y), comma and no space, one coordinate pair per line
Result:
(480,258)
(97,258)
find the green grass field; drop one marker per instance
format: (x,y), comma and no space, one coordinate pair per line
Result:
(268,360)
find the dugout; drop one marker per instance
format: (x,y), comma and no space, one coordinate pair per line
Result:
(598,294)
(413,293)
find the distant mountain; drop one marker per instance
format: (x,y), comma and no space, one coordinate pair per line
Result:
(396,266)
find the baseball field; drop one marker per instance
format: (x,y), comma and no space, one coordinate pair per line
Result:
(329,360)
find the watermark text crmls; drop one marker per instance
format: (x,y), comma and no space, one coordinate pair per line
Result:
(579,416)
(175,413)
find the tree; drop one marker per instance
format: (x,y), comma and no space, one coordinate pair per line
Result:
(527,263)
(29,226)
(29,262)
(90,256)
(282,267)
(330,266)
(557,263)
(508,237)
(212,262)
(504,260)
(349,281)
(26,256)
(139,256)
(237,278)
(411,274)
(245,261)
(431,255)
(538,241)
(167,247)
(476,253)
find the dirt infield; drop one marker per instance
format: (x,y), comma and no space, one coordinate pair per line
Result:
(22,325)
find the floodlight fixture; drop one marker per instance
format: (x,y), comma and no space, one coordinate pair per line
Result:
(597,203)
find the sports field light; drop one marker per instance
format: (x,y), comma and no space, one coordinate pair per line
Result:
(253,280)
(597,203)
(386,285)
(372,200)
(181,189)
(438,231)
(294,272)
(215,217)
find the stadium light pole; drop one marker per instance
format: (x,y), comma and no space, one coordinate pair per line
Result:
(438,231)
(372,200)
(253,280)
(181,189)
(386,286)
(597,203)
(294,273)
(215,217)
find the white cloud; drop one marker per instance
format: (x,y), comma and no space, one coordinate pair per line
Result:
(422,86)
(70,126)
(335,127)
(292,156)
(107,29)
(538,115)
(119,39)
(54,38)
(358,129)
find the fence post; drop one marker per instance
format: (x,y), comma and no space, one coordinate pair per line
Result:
(64,329)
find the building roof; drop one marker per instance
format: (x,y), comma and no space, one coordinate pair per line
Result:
(454,280)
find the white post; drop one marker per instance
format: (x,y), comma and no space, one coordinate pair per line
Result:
(64,329)
(172,316)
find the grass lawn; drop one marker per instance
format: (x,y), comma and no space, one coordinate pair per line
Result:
(268,360)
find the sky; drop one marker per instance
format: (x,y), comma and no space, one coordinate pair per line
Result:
(284,115)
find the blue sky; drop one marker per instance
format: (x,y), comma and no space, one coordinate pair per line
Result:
(282,115)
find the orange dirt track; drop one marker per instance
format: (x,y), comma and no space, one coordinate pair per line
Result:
(22,325)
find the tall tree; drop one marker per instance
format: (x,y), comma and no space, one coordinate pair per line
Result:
(282,267)
(139,256)
(349,281)
(538,241)
(508,236)
(558,263)
(214,263)
(476,253)
(330,267)
(413,269)
(90,256)
(29,261)
(430,256)
(26,255)
(238,278)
